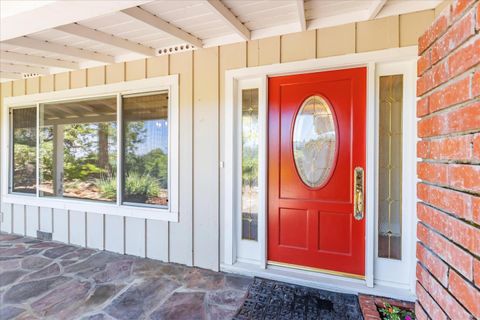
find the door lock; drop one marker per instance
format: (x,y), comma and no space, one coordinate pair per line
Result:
(358,193)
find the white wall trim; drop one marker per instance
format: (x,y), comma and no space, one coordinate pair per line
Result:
(169,83)
(233,77)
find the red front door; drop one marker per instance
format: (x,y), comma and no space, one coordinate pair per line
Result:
(316,140)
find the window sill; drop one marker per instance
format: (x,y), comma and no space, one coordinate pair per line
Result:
(87,206)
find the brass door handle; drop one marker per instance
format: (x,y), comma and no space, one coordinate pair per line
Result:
(358,193)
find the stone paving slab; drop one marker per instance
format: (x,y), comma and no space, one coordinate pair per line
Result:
(49,280)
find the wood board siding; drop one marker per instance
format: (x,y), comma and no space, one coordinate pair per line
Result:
(196,238)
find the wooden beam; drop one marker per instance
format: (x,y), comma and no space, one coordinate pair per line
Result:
(21,68)
(59,13)
(10,75)
(301,15)
(36,60)
(223,12)
(375,8)
(154,21)
(102,37)
(41,45)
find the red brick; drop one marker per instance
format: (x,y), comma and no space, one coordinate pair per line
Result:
(476,82)
(434,77)
(454,148)
(435,265)
(465,58)
(423,149)
(430,306)
(476,146)
(449,252)
(419,312)
(459,6)
(441,296)
(432,172)
(476,209)
(476,272)
(432,33)
(457,203)
(452,228)
(465,119)
(465,177)
(467,294)
(454,93)
(422,107)
(460,120)
(456,35)
(424,83)
(423,63)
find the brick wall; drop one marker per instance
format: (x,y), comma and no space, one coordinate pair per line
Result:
(448,87)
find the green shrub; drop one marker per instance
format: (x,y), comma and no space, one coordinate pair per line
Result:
(107,187)
(141,185)
(138,187)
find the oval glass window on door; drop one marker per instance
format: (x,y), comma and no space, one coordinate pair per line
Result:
(314,142)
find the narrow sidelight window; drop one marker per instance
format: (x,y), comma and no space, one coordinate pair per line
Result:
(23,153)
(78,150)
(145,149)
(250,155)
(390,168)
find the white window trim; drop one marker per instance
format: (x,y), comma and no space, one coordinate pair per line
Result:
(166,83)
(231,241)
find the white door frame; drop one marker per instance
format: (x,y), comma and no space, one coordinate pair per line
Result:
(231,192)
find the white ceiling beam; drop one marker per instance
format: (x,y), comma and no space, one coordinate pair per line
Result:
(154,21)
(301,15)
(41,45)
(375,8)
(21,68)
(7,56)
(59,13)
(10,75)
(100,36)
(223,12)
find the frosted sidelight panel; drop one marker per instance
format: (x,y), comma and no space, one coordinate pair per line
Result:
(250,192)
(390,168)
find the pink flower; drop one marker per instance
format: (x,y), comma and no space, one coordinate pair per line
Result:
(408,317)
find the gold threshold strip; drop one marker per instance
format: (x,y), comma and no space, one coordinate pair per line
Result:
(335,273)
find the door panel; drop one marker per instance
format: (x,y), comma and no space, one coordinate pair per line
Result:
(313,225)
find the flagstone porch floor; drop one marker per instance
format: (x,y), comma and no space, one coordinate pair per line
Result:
(49,280)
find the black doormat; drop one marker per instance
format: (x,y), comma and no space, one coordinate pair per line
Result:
(268,300)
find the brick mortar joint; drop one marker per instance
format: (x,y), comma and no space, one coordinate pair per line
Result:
(431,228)
(449,109)
(450,22)
(429,294)
(451,215)
(447,289)
(448,187)
(457,77)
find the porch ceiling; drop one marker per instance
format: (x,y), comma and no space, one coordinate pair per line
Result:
(63,35)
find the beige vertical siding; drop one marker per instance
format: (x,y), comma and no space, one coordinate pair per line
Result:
(195,239)
(180,245)
(378,34)
(232,56)
(96,76)
(299,46)
(205,157)
(78,79)
(336,41)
